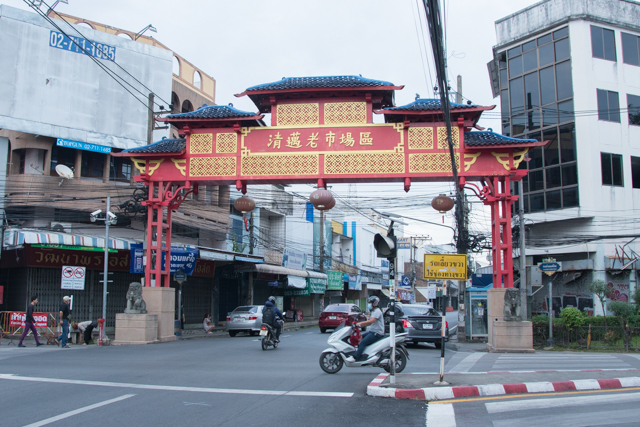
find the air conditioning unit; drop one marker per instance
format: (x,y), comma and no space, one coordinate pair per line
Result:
(61,226)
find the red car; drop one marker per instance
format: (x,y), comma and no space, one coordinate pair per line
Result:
(335,314)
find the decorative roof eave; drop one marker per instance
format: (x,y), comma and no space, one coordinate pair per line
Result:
(164,148)
(258,118)
(319,89)
(488,140)
(409,112)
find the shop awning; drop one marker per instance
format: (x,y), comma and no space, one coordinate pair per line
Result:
(386,292)
(247,259)
(17,237)
(276,269)
(374,286)
(215,256)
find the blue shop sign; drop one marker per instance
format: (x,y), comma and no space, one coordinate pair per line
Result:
(83,146)
(181,259)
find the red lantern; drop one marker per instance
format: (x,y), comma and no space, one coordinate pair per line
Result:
(322,199)
(244,204)
(442,203)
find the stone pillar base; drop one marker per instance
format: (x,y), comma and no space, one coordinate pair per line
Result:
(136,329)
(511,337)
(162,302)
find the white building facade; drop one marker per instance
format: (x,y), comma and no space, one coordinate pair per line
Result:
(568,72)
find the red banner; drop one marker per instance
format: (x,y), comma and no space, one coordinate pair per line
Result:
(1,294)
(16,319)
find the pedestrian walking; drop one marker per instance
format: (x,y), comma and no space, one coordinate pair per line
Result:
(87,328)
(64,322)
(29,323)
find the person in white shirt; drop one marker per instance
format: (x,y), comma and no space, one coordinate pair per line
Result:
(207,324)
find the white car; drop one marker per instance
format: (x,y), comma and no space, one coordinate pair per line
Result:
(246,318)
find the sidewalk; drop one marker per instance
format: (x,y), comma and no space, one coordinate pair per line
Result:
(218,331)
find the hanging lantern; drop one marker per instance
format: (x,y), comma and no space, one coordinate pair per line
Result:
(322,199)
(442,203)
(244,204)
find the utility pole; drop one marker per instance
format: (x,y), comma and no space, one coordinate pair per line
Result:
(462,212)
(151,121)
(459,91)
(251,233)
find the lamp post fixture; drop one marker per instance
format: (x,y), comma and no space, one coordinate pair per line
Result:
(109,219)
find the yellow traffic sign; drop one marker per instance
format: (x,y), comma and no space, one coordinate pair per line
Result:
(445,267)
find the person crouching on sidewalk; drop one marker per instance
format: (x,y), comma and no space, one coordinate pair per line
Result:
(87,328)
(29,323)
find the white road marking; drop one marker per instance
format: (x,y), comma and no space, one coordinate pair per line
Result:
(467,363)
(558,402)
(198,403)
(177,388)
(79,411)
(440,415)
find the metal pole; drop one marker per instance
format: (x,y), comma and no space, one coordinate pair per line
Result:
(150,120)
(180,305)
(459,90)
(550,342)
(106,259)
(442,329)
(392,323)
(321,241)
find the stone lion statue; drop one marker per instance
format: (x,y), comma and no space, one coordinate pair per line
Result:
(135,303)
(512,305)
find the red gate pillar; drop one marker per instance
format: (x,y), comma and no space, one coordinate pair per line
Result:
(500,200)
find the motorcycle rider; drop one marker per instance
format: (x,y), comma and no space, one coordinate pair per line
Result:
(276,314)
(375,329)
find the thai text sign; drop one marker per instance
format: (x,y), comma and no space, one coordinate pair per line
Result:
(16,319)
(73,277)
(445,266)
(336,280)
(294,259)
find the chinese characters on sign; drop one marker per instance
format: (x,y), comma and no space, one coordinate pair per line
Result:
(297,139)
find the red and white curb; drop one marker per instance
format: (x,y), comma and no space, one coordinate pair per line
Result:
(443,393)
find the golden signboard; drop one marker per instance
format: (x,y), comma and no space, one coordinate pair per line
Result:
(445,267)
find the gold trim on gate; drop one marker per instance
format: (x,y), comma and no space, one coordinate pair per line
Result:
(470,159)
(212,166)
(298,114)
(201,143)
(345,112)
(420,138)
(364,163)
(442,137)
(226,143)
(518,157)
(502,158)
(280,164)
(140,164)
(181,165)
(432,162)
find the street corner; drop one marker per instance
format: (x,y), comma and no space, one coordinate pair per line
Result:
(407,386)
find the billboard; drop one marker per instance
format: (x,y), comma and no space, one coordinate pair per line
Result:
(53,88)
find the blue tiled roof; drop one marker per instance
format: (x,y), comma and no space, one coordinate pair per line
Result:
(165,146)
(428,104)
(488,138)
(213,112)
(319,82)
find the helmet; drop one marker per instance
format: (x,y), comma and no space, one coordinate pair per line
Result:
(374,300)
(272,299)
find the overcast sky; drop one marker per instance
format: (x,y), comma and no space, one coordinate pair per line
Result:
(241,43)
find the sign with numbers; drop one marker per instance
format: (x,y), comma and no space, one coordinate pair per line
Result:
(80,45)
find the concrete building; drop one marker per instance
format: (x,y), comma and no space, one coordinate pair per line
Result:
(569,72)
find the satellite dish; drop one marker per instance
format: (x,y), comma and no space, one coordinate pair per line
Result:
(65,172)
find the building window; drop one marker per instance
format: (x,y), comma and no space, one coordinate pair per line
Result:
(537,103)
(62,156)
(187,107)
(635,171)
(176,66)
(633,103)
(603,43)
(611,169)
(608,106)
(92,164)
(197,79)
(120,169)
(184,231)
(175,103)
(630,49)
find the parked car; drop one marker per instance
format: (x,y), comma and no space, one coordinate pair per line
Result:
(421,323)
(334,314)
(246,318)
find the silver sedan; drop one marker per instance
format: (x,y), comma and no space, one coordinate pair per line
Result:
(246,318)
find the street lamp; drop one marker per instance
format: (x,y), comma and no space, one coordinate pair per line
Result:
(148,27)
(109,219)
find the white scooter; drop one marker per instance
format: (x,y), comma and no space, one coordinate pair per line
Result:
(378,354)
